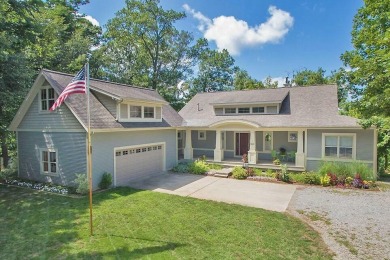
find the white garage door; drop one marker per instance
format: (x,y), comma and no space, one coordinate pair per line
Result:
(137,162)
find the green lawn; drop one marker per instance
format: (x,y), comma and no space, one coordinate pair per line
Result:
(132,224)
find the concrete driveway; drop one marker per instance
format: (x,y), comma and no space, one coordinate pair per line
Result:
(270,196)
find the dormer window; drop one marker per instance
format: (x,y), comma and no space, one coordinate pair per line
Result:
(244,110)
(47,98)
(230,110)
(148,112)
(135,111)
(139,113)
(257,110)
(251,109)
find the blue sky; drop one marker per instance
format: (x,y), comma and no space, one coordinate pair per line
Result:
(266,38)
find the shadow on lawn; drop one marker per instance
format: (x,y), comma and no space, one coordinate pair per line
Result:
(126,253)
(37,224)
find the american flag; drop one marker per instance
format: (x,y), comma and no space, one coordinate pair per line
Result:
(77,85)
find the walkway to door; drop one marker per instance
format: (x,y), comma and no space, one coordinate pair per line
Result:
(270,196)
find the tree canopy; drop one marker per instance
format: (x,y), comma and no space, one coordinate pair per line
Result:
(369,77)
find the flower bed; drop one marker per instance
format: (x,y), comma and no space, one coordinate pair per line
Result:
(39,186)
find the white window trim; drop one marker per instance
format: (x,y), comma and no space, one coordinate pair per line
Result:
(353,135)
(292,140)
(41,161)
(272,140)
(199,135)
(142,118)
(46,88)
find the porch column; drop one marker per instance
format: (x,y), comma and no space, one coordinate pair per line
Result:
(218,156)
(188,152)
(300,156)
(252,156)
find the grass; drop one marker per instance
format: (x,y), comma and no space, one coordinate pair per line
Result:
(132,224)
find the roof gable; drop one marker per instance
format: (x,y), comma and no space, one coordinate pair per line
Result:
(311,106)
(100,116)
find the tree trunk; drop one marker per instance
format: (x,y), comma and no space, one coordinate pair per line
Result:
(4,149)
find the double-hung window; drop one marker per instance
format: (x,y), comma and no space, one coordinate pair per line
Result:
(47,98)
(340,146)
(49,162)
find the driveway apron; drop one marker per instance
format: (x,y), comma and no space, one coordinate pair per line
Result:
(270,196)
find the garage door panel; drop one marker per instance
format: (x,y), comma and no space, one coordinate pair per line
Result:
(138,162)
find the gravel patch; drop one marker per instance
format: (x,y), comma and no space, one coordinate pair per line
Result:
(355,224)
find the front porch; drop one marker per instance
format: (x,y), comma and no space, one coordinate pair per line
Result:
(264,164)
(226,146)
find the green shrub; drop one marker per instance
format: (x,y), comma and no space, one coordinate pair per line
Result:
(363,170)
(239,173)
(325,180)
(106,181)
(297,177)
(7,174)
(326,167)
(270,173)
(198,167)
(214,166)
(276,162)
(312,178)
(258,172)
(346,169)
(82,183)
(284,175)
(181,168)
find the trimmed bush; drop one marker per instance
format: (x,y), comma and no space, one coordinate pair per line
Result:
(181,168)
(106,181)
(239,173)
(82,183)
(198,167)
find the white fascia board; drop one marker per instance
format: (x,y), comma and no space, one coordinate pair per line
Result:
(27,102)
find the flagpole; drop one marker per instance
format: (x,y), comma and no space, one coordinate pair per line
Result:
(89,153)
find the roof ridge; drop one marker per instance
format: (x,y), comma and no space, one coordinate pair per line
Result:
(263,89)
(100,80)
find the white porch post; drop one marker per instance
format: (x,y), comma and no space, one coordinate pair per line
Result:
(218,156)
(188,152)
(252,156)
(300,156)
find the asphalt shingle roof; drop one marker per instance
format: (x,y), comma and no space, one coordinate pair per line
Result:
(101,118)
(312,106)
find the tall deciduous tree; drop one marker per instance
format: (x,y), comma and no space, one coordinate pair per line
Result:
(308,77)
(215,69)
(370,67)
(36,34)
(143,47)
(242,80)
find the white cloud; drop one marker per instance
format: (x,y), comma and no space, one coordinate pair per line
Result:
(234,35)
(280,80)
(92,20)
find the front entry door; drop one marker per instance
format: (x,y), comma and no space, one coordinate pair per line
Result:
(242,143)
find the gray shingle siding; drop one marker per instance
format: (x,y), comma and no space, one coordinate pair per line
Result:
(71,148)
(62,118)
(209,143)
(364,142)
